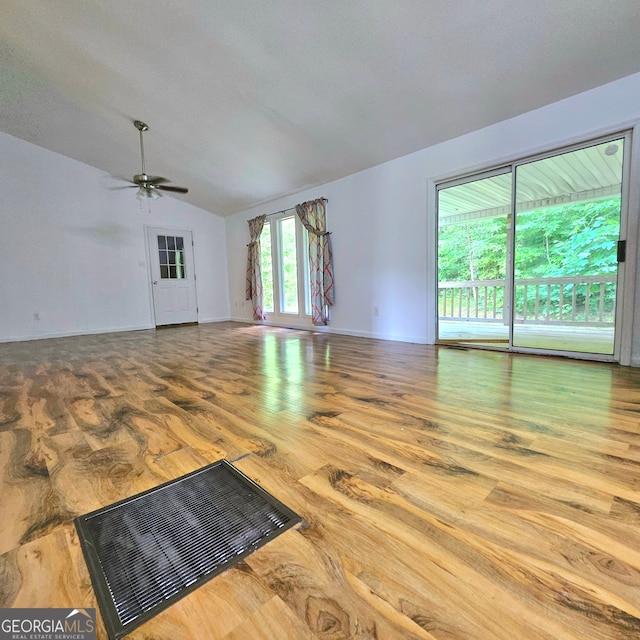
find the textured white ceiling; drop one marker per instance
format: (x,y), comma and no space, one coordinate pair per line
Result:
(248,100)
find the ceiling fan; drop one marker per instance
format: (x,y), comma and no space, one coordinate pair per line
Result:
(150,186)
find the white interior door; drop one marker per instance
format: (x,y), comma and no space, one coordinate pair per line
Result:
(172,276)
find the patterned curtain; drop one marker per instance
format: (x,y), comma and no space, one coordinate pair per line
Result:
(313,216)
(253,290)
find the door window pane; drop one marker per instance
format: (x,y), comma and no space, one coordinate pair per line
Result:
(180,270)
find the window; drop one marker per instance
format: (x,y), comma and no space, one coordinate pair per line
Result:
(285,267)
(171,255)
(267,268)
(288,266)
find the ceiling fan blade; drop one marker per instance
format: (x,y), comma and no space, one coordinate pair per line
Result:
(174,189)
(129,186)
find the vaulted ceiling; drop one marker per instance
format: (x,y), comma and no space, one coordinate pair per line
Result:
(249,100)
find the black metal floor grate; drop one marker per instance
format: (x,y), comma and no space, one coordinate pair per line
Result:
(148,551)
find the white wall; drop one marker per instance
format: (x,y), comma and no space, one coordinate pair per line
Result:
(73,250)
(383,219)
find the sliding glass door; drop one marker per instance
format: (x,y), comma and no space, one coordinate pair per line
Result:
(473,237)
(565,250)
(528,254)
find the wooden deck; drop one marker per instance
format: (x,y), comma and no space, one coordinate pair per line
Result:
(597,340)
(446,494)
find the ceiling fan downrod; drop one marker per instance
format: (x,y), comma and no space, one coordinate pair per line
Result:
(151,186)
(141,126)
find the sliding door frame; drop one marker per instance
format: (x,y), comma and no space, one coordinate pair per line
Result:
(456,182)
(624,276)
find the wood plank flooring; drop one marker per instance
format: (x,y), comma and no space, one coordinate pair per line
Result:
(446,494)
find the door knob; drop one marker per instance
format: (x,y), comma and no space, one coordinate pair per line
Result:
(155,282)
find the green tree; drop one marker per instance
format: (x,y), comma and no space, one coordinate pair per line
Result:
(474,250)
(562,241)
(567,240)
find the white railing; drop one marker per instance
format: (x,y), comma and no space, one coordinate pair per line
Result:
(576,300)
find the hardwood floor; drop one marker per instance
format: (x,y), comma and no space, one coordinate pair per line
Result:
(446,494)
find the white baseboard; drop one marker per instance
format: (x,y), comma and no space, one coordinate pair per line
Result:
(377,336)
(70,334)
(336,330)
(210,320)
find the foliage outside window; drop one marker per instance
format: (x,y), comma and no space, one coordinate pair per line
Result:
(562,241)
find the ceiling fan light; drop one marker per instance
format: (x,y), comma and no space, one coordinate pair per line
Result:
(144,193)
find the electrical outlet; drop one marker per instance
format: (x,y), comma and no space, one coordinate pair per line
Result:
(36,315)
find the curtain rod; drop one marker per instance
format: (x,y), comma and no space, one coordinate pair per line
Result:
(275,213)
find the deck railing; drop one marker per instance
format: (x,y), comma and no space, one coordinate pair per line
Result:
(577,300)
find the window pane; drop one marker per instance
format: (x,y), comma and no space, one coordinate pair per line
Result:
(179,243)
(307,286)
(162,256)
(171,242)
(180,268)
(162,242)
(289,293)
(164,272)
(267,268)
(172,273)
(172,257)
(473,234)
(565,259)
